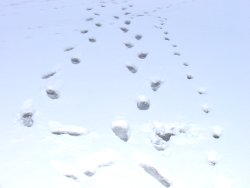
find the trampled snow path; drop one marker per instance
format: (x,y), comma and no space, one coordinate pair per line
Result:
(103,31)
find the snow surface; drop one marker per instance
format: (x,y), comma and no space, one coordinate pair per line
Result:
(65,79)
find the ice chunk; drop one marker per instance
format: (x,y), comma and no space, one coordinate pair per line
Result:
(138,37)
(52,94)
(129,45)
(121,129)
(124,29)
(48,75)
(151,170)
(27,119)
(156,84)
(75,60)
(132,68)
(142,55)
(143,103)
(217,131)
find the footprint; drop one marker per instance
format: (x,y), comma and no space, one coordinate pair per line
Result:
(89,19)
(92,40)
(52,94)
(156,84)
(98,24)
(129,45)
(127,22)
(46,76)
(143,103)
(124,29)
(84,31)
(189,76)
(27,119)
(132,68)
(142,55)
(68,49)
(75,60)
(138,37)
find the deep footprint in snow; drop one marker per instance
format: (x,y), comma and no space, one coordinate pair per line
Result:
(124,29)
(89,19)
(98,25)
(217,132)
(151,170)
(129,45)
(205,109)
(138,37)
(68,49)
(92,40)
(143,103)
(142,55)
(177,54)
(156,84)
(121,129)
(132,68)
(127,22)
(27,119)
(84,31)
(48,75)
(52,94)
(189,76)
(75,60)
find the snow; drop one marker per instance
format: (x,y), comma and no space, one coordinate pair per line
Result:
(79,104)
